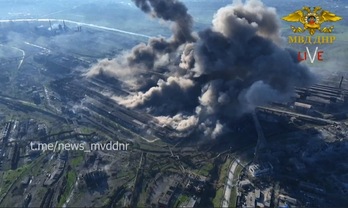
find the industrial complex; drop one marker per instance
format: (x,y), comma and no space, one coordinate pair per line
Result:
(282,154)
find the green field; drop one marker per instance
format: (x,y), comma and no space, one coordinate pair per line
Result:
(220,184)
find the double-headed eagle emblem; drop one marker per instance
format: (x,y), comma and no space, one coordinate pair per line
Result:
(312,20)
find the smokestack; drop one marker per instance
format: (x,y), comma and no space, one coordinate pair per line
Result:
(50,24)
(340,86)
(64,26)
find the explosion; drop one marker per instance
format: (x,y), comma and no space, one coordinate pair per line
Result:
(199,82)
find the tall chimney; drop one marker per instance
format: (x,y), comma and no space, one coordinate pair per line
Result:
(340,86)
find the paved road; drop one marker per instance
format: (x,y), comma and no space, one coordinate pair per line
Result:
(229,185)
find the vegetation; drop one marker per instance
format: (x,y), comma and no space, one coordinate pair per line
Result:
(220,184)
(77,160)
(233,199)
(218,197)
(205,170)
(143,194)
(87,130)
(11,176)
(70,178)
(181,199)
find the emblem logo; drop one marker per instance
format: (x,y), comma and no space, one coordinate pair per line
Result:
(312,20)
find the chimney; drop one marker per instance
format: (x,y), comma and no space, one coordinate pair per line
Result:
(340,86)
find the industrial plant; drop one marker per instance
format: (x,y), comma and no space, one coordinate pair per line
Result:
(97,116)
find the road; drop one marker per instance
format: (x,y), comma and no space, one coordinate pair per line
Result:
(37,46)
(23,57)
(229,185)
(18,49)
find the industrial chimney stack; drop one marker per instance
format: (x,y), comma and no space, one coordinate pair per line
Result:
(340,86)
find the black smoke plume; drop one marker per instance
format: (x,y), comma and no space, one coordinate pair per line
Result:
(199,84)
